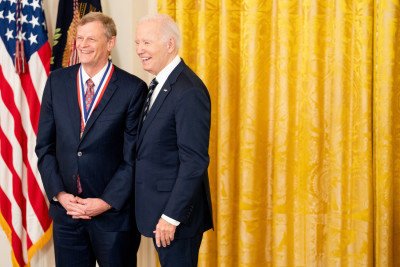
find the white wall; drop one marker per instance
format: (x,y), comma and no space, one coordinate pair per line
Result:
(125,14)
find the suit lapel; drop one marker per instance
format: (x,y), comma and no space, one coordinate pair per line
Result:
(108,92)
(73,102)
(164,92)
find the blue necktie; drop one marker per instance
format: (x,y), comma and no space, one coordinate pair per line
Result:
(152,86)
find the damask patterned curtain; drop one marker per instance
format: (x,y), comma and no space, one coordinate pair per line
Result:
(305,146)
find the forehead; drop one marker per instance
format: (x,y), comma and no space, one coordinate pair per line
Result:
(148,29)
(91,28)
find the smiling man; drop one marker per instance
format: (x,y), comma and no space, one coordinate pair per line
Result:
(172,194)
(85,146)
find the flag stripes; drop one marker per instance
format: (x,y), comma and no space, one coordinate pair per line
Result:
(23,204)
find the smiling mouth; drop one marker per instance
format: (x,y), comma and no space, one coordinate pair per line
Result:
(85,51)
(145,58)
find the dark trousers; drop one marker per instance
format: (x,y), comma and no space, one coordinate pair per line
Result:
(83,244)
(180,253)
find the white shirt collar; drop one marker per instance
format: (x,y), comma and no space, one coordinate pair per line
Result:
(165,72)
(162,77)
(96,78)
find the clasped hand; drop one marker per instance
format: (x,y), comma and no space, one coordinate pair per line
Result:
(82,208)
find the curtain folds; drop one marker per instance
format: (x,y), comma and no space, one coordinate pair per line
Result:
(305,138)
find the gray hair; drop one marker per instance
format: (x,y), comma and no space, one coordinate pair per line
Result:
(169,28)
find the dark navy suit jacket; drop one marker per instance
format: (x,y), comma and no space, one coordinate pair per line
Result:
(103,157)
(172,157)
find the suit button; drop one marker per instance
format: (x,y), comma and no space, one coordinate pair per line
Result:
(79,154)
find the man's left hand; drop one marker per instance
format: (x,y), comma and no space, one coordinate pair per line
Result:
(164,233)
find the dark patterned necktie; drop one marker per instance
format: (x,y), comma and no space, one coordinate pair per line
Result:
(88,101)
(152,86)
(89,93)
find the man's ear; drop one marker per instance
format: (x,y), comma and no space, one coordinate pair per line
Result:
(171,45)
(111,43)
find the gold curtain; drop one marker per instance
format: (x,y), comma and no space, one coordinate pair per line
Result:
(305,138)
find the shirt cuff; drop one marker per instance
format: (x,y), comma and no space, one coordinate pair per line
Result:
(170,220)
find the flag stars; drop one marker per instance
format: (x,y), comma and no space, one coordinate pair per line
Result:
(1,13)
(35,4)
(21,35)
(34,21)
(24,3)
(33,38)
(10,16)
(13,2)
(9,34)
(24,19)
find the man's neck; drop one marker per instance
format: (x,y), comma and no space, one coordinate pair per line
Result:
(92,70)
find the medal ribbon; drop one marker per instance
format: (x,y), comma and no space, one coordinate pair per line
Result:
(98,94)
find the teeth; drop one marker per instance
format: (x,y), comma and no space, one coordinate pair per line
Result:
(85,52)
(145,58)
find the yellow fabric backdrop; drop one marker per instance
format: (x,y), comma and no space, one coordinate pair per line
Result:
(305,138)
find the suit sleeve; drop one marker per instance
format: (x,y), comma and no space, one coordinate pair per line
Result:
(46,145)
(121,184)
(193,119)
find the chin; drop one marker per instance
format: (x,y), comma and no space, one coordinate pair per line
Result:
(147,69)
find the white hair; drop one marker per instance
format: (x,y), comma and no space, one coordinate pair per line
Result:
(169,28)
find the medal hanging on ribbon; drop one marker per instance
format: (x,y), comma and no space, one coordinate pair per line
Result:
(85,114)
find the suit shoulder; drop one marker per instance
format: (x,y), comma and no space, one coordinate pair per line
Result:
(67,71)
(126,76)
(188,81)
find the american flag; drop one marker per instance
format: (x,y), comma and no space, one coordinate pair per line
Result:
(23,205)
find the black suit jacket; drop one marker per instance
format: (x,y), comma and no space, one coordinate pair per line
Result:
(172,157)
(103,157)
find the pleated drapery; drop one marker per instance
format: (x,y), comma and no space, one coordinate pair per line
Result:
(305,138)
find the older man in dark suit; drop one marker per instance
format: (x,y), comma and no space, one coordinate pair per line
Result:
(86,148)
(173,203)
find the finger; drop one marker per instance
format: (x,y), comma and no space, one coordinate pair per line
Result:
(81,201)
(74,200)
(158,239)
(85,217)
(73,208)
(163,240)
(74,213)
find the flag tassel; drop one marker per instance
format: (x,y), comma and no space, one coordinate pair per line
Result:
(20,60)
